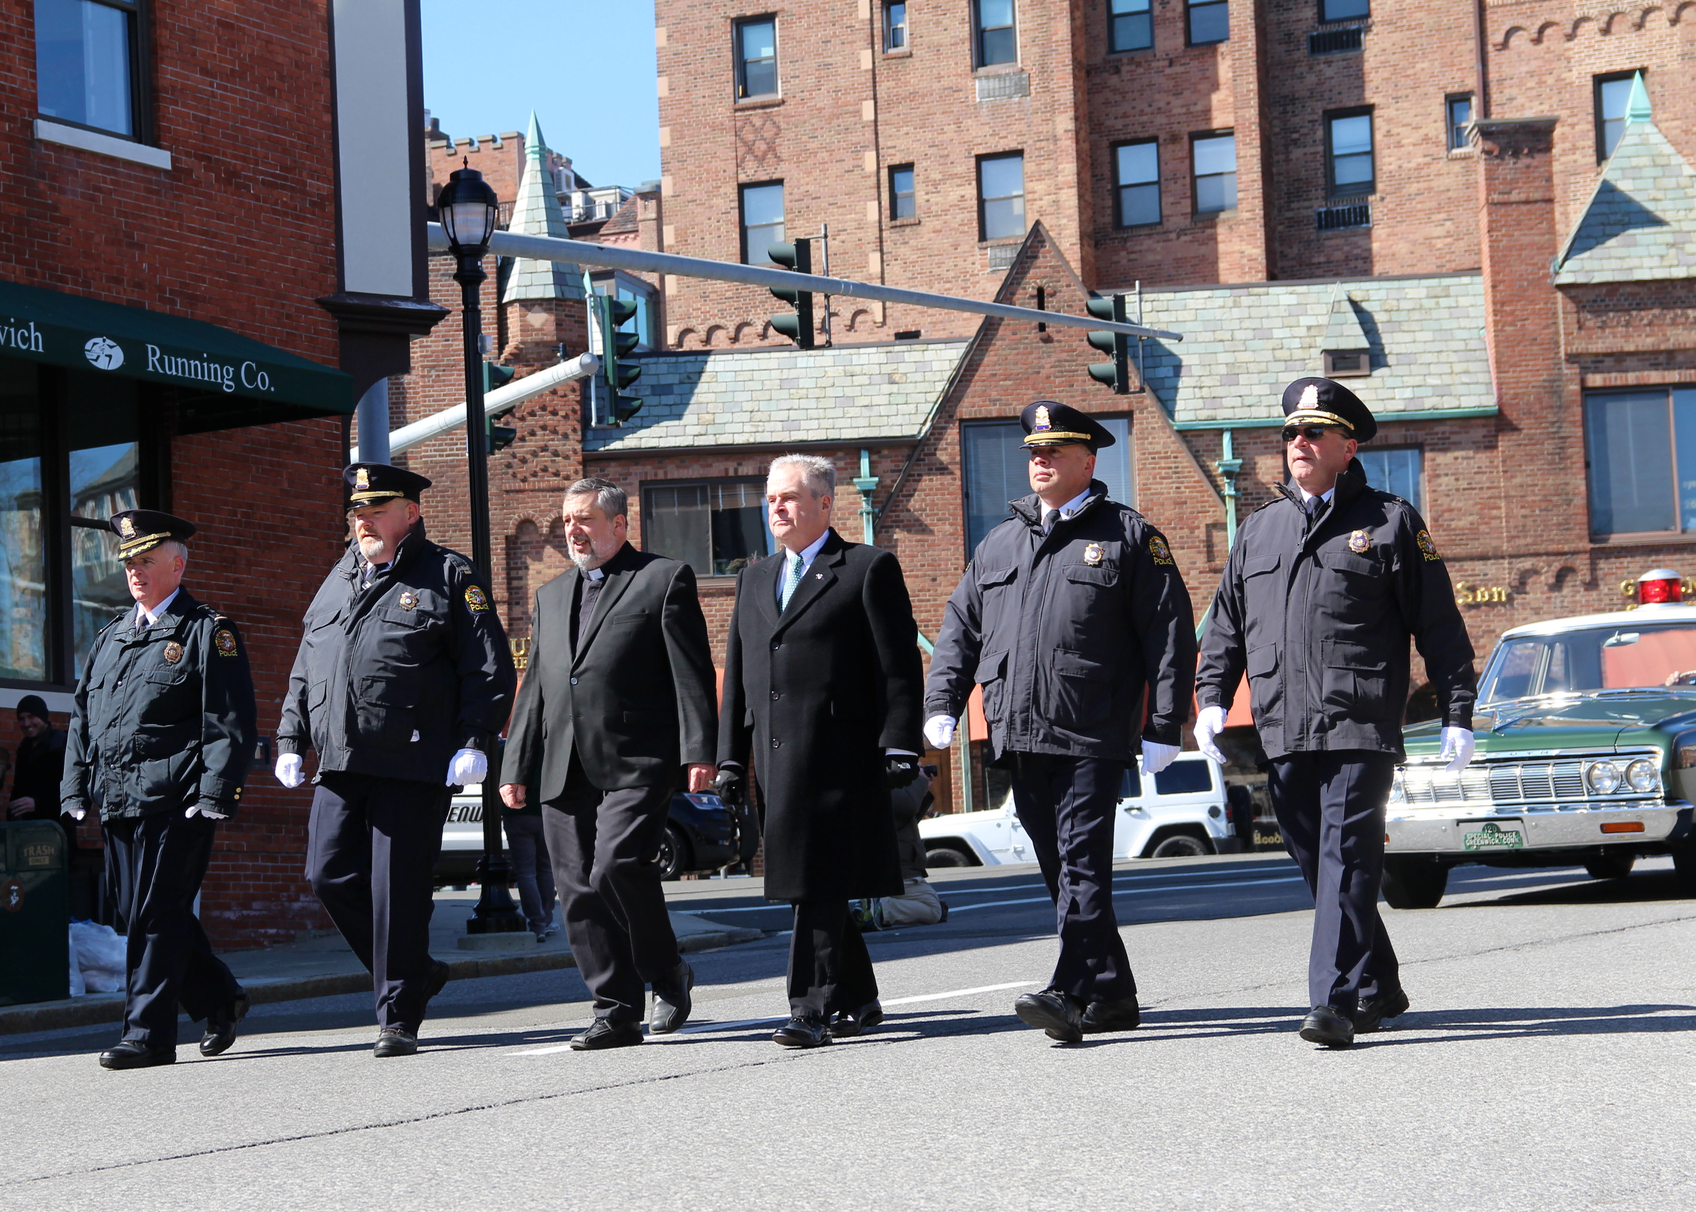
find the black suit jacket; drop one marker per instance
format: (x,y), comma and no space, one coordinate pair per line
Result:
(814,696)
(636,699)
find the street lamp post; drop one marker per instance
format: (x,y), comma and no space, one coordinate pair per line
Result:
(468,208)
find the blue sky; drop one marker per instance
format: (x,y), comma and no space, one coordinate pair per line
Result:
(585,66)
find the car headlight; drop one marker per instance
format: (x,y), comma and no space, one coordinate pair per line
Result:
(1603,777)
(1643,775)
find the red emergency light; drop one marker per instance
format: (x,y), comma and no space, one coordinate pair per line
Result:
(1659,585)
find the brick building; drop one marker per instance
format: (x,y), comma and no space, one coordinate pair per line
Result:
(188,310)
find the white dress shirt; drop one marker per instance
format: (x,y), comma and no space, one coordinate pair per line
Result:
(808,555)
(146,618)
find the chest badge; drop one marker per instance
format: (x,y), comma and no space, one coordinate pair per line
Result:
(1093,554)
(173,653)
(1359,541)
(476,601)
(408,600)
(1157,549)
(225,642)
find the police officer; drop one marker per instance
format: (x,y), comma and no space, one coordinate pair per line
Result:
(402,683)
(161,734)
(1319,597)
(1068,612)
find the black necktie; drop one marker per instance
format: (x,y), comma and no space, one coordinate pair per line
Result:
(589,592)
(1048,520)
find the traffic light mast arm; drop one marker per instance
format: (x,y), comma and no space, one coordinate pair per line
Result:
(495,403)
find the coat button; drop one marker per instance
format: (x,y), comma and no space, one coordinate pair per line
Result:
(776,644)
(574,681)
(776,744)
(775,696)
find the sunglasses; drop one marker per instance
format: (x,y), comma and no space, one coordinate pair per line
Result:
(1313,433)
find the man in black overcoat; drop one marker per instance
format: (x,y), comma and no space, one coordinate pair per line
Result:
(822,692)
(618,698)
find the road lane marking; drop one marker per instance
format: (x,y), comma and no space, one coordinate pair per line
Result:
(1118,892)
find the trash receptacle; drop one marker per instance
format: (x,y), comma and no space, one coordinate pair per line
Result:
(35,961)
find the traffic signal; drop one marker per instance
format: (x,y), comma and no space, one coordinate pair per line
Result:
(501,436)
(617,371)
(496,376)
(798,324)
(1117,373)
(497,437)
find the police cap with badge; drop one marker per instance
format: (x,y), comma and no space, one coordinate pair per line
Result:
(1050,423)
(141,530)
(1322,402)
(378,484)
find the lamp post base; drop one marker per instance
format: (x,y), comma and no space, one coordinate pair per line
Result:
(496,912)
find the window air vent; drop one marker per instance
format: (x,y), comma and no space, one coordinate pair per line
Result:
(1331,218)
(1330,41)
(996,85)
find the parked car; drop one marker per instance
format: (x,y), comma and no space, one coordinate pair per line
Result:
(1586,731)
(701,834)
(1185,813)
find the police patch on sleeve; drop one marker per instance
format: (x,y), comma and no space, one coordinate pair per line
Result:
(224,640)
(476,601)
(1158,550)
(1427,548)
(1359,541)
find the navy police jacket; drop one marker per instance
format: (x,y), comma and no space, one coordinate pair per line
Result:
(392,679)
(1066,631)
(164,718)
(1318,615)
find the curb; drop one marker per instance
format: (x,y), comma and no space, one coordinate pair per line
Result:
(96,1008)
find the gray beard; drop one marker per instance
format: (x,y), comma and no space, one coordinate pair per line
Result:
(589,559)
(375,551)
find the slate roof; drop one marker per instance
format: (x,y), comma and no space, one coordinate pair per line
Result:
(1640,224)
(1242,344)
(536,212)
(846,394)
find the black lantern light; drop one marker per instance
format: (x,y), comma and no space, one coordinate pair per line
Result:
(468,208)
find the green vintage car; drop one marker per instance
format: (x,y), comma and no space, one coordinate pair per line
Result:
(1586,732)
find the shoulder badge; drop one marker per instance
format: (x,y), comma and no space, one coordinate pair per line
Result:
(476,601)
(408,600)
(1093,554)
(1427,548)
(225,641)
(1157,548)
(173,653)
(1359,541)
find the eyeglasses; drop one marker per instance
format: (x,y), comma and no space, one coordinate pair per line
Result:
(1313,433)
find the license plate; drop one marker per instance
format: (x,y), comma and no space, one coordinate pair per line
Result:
(1493,835)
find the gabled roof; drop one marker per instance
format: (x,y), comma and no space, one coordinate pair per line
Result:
(1343,330)
(1640,224)
(536,212)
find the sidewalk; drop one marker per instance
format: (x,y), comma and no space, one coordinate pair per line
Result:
(324,966)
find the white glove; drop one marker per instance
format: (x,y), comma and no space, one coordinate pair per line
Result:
(1209,723)
(77,814)
(1156,757)
(939,731)
(468,766)
(194,810)
(291,769)
(1458,746)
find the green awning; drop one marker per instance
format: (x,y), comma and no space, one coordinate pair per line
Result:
(224,379)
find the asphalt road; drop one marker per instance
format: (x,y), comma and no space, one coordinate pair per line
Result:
(1547,1063)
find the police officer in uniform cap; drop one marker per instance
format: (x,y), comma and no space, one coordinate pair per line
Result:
(161,734)
(1319,598)
(1069,611)
(402,683)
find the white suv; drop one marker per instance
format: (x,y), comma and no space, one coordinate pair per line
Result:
(1184,814)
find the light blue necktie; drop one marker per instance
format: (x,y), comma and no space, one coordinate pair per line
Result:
(790,585)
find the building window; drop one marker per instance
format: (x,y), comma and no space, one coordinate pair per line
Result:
(756,57)
(996,471)
(1397,470)
(1641,456)
(1136,182)
(762,221)
(894,26)
(717,527)
(1129,26)
(1613,94)
(1213,160)
(1001,196)
(1348,153)
(901,203)
(627,288)
(87,63)
(1457,111)
(1208,21)
(994,32)
(1343,10)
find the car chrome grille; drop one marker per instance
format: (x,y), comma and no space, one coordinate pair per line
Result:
(1512,781)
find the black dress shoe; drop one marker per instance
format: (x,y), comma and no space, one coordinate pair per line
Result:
(1055,1012)
(1374,1010)
(1112,1014)
(853,1022)
(395,1041)
(803,1031)
(672,1002)
(221,1027)
(1323,1025)
(603,1034)
(133,1054)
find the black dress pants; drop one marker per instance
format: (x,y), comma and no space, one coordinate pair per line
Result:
(154,864)
(1067,806)
(1330,809)
(829,966)
(371,852)
(603,845)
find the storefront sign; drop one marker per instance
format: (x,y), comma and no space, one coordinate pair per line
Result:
(1468,594)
